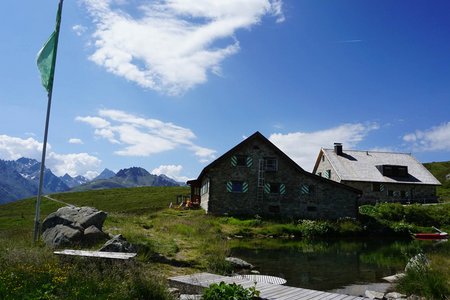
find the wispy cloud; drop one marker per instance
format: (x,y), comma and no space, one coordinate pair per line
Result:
(75,141)
(12,148)
(138,136)
(348,41)
(79,29)
(303,147)
(433,139)
(173,44)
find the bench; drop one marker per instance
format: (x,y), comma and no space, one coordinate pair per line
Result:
(96,254)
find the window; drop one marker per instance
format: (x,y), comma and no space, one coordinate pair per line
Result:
(323,158)
(307,189)
(236,186)
(319,174)
(241,160)
(393,171)
(270,164)
(311,208)
(403,194)
(205,188)
(275,188)
(390,193)
(376,187)
(274,209)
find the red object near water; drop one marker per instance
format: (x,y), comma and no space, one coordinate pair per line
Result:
(431,236)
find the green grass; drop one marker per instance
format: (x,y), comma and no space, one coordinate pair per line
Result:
(170,242)
(440,170)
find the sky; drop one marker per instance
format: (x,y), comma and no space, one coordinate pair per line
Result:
(171,85)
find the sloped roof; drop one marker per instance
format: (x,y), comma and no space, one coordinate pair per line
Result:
(258,136)
(355,165)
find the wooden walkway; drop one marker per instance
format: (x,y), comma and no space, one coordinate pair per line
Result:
(195,283)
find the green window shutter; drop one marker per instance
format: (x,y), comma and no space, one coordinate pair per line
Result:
(267,188)
(234,161)
(282,189)
(229,186)
(381,187)
(245,187)
(249,161)
(304,189)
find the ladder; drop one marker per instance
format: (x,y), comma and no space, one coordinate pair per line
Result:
(260,189)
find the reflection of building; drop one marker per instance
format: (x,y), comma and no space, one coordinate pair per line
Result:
(255,177)
(381,176)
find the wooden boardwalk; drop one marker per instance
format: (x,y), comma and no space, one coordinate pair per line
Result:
(196,282)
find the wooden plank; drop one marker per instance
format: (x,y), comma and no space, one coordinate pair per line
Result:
(96,254)
(267,290)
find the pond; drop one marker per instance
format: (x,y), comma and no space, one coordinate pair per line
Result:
(332,265)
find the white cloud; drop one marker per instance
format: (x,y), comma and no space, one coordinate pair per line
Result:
(73,164)
(434,139)
(139,136)
(75,141)
(173,44)
(303,147)
(79,29)
(13,148)
(172,171)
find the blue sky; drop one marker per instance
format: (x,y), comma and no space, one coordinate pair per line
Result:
(171,85)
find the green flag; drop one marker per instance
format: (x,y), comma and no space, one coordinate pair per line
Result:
(46,57)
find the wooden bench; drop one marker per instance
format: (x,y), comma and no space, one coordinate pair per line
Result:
(97,254)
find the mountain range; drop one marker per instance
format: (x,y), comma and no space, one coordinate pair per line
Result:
(20,179)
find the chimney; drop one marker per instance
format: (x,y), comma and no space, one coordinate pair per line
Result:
(338,148)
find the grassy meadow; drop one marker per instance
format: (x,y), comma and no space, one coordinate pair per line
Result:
(169,241)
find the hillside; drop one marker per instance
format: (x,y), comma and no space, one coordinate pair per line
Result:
(441,170)
(136,201)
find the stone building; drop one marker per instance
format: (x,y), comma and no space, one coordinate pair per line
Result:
(255,177)
(381,176)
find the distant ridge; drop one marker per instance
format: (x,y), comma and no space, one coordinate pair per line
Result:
(20,178)
(130,177)
(105,174)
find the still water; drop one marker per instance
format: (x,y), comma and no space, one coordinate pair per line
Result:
(328,265)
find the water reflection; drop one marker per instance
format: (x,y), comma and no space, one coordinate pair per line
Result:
(327,265)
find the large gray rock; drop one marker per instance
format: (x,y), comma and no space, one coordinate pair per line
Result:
(94,235)
(418,263)
(118,244)
(239,263)
(61,235)
(76,217)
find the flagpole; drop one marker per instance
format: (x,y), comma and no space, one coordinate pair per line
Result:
(47,121)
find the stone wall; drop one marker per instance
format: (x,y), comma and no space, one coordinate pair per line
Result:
(395,192)
(327,199)
(325,165)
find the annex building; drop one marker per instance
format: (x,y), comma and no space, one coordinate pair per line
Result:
(381,176)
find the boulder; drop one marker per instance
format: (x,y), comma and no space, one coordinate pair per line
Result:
(374,294)
(61,235)
(76,216)
(239,263)
(394,296)
(118,244)
(94,235)
(418,263)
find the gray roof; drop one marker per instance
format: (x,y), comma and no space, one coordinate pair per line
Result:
(355,165)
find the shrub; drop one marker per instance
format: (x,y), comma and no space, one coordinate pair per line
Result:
(429,284)
(312,228)
(223,291)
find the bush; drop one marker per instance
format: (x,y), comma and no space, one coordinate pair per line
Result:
(312,228)
(429,284)
(223,291)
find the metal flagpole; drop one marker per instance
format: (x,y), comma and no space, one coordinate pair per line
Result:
(47,120)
